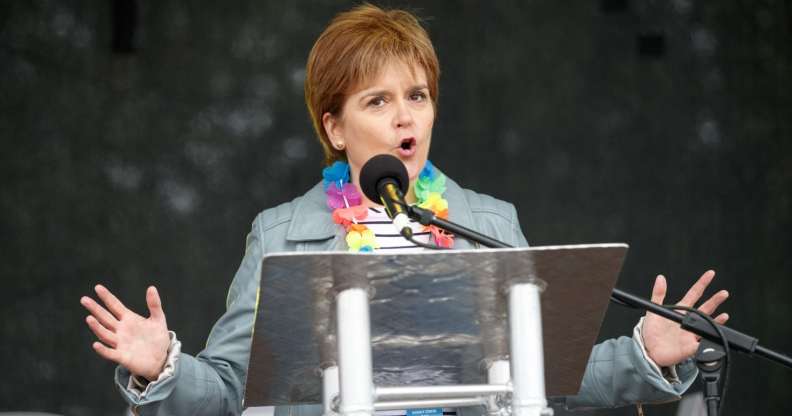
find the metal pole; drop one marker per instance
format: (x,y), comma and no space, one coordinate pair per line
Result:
(419,404)
(497,373)
(438,392)
(354,353)
(527,355)
(329,389)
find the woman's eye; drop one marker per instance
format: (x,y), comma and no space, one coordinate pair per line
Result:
(377,102)
(418,96)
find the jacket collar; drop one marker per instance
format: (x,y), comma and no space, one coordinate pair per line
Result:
(312,219)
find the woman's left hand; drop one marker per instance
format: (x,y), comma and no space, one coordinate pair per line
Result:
(666,342)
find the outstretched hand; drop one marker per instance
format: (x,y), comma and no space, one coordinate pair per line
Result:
(137,343)
(666,342)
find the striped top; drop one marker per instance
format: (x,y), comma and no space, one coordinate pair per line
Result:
(388,238)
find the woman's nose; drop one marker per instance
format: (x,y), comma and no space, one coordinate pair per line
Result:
(403,116)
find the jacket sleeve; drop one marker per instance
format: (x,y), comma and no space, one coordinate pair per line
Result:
(617,374)
(212,382)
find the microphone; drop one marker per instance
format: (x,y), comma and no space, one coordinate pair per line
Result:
(384,178)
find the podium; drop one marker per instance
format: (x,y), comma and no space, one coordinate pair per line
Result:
(359,333)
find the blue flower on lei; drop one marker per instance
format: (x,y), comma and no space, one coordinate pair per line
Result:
(335,173)
(428,171)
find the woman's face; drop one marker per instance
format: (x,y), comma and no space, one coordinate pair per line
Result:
(392,114)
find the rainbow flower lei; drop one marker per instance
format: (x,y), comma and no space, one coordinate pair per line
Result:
(347,205)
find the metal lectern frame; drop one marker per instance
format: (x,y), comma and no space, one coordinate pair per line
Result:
(349,390)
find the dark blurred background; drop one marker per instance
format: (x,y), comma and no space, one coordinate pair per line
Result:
(140,138)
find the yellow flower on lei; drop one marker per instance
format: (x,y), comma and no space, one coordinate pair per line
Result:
(434,202)
(363,240)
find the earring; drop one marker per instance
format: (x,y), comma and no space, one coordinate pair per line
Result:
(339,145)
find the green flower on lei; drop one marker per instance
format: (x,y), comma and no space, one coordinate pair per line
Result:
(430,181)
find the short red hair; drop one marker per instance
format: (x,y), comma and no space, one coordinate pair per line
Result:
(352,50)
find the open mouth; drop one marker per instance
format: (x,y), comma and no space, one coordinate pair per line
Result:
(407,146)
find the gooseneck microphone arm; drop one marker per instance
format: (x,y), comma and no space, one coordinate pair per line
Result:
(690,322)
(427,217)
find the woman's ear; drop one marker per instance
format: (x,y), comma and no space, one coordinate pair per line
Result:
(334,131)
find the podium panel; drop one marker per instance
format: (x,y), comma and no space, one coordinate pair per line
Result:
(437,317)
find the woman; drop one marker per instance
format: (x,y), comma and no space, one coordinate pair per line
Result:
(371,88)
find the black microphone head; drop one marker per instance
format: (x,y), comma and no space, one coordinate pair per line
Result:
(378,168)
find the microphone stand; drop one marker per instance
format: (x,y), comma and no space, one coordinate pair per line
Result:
(427,217)
(710,355)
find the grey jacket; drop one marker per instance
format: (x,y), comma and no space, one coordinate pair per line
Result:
(212,383)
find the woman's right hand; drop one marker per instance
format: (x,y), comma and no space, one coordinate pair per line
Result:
(137,343)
